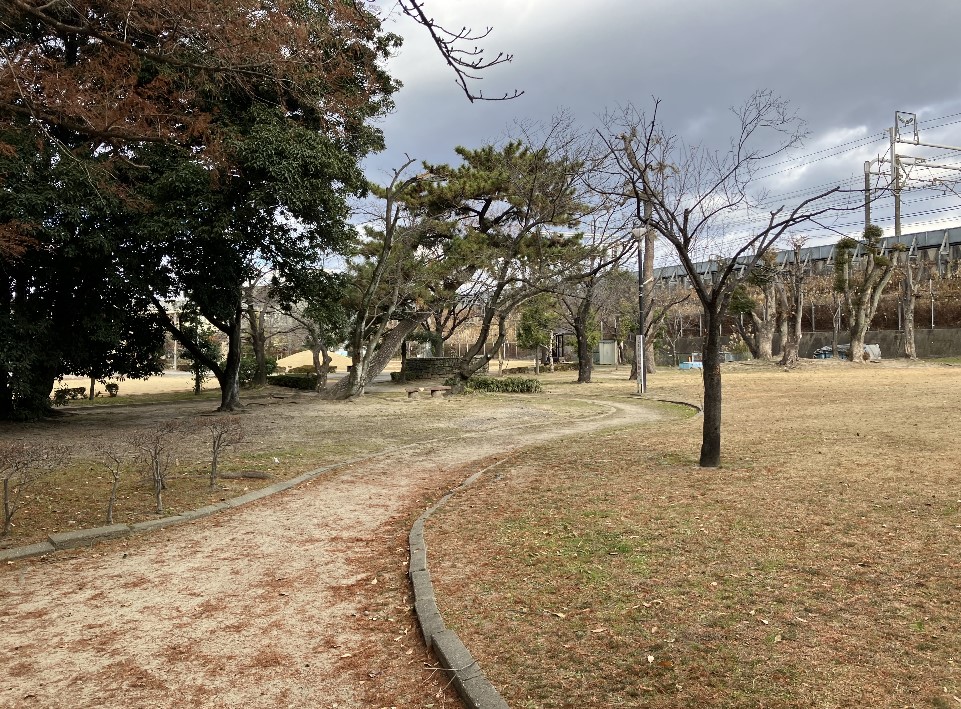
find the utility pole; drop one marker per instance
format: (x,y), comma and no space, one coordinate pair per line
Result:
(905,130)
(906,313)
(643,244)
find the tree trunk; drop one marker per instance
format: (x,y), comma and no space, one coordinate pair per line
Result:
(260,354)
(649,365)
(792,305)
(632,377)
(258,340)
(468,365)
(93,388)
(375,358)
(585,359)
(711,432)
(837,325)
(908,297)
(229,376)
(765,339)
(34,400)
(750,339)
(437,341)
(858,332)
(550,351)
(321,359)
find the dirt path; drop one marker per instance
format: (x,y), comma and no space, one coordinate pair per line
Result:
(294,601)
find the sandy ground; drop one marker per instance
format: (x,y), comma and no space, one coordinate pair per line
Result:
(256,607)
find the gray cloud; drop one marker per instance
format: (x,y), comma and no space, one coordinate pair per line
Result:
(845,65)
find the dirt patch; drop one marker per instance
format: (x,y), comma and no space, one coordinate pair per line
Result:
(296,600)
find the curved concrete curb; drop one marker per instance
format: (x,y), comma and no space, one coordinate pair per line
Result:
(698,409)
(470,681)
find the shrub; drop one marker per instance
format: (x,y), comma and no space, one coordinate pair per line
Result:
(112,388)
(64,394)
(248,366)
(294,381)
(504,385)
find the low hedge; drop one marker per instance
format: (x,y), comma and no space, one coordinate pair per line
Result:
(504,385)
(294,381)
(309,369)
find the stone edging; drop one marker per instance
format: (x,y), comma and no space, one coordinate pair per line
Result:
(470,681)
(697,408)
(91,536)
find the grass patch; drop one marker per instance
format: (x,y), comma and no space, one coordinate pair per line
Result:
(817,568)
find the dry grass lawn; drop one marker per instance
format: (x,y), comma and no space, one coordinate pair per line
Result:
(820,566)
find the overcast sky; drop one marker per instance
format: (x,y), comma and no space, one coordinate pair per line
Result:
(846,65)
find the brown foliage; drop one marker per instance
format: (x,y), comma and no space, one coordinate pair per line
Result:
(118,71)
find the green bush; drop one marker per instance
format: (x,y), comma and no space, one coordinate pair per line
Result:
(248,365)
(112,388)
(294,381)
(504,385)
(64,394)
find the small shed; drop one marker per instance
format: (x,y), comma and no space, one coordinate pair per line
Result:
(690,360)
(606,352)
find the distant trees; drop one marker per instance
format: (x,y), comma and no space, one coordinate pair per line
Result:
(605,245)
(861,285)
(760,297)
(536,326)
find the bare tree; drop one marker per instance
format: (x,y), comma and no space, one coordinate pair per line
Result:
(223,432)
(862,286)
(113,458)
(689,195)
(764,311)
(793,291)
(606,245)
(22,465)
(466,63)
(156,446)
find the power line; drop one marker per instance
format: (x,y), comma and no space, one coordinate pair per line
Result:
(864,140)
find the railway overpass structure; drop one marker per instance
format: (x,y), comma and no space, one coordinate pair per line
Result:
(939,250)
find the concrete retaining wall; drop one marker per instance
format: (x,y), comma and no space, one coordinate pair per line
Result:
(435,367)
